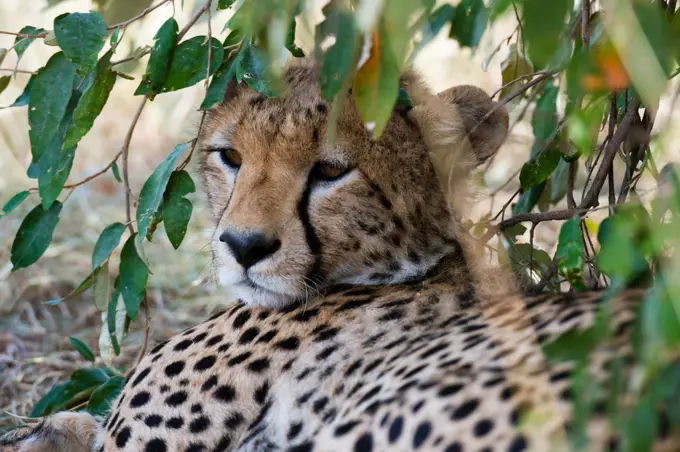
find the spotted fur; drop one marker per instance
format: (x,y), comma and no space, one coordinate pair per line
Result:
(363,322)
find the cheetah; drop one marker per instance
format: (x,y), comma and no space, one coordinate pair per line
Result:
(364,322)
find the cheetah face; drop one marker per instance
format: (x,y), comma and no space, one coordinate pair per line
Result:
(294,214)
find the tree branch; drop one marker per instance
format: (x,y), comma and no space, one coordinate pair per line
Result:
(193,20)
(539,217)
(125,152)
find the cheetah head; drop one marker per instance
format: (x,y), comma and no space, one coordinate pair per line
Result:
(294,215)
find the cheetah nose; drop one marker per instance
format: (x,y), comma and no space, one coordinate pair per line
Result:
(250,247)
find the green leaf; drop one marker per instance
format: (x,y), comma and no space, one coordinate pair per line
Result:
(111,317)
(91,102)
(220,81)
(102,288)
(133,274)
(116,172)
(254,70)
(513,66)
(337,59)
(21,44)
(544,27)
(24,97)
(81,36)
(4,82)
(559,181)
(104,396)
(82,287)
(84,349)
(189,63)
(527,200)
(106,243)
(569,253)
(224,4)
(538,169)
(3,54)
(55,167)
(619,255)
(573,345)
(151,195)
(544,120)
(34,236)
(89,377)
(50,95)
(159,62)
(176,209)
(290,41)
(497,8)
(469,22)
(14,202)
(433,25)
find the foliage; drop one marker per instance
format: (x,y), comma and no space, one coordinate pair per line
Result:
(590,72)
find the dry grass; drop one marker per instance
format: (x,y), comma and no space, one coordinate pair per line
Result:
(34,349)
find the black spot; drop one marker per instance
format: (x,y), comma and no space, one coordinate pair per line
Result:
(448,390)
(176,398)
(414,371)
(241,319)
(174,369)
(464,410)
(174,422)
(455,447)
(225,393)
(182,345)
(232,421)
(494,381)
(372,366)
(306,315)
(364,443)
(239,359)
(291,343)
(319,404)
(321,108)
(483,427)
(354,304)
(209,383)
(518,444)
(370,394)
(560,376)
(437,348)
(199,337)
(345,428)
(395,430)
(304,447)
(261,393)
(305,397)
(248,335)
(223,445)
(258,365)
(158,347)
(205,363)
(422,432)
(294,430)
(302,375)
(140,376)
(155,445)
(418,405)
(195,447)
(224,347)
(508,392)
(216,315)
(324,333)
(267,337)
(354,367)
(200,424)
(153,420)
(140,399)
(123,437)
(196,408)
(214,340)
(326,352)
(163,389)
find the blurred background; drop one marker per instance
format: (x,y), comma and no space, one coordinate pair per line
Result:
(34,348)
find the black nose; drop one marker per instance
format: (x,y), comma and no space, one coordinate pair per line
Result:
(250,247)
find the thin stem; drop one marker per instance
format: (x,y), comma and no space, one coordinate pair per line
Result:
(138,16)
(23,35)
(22,71)
(125,152)
(518,79)
(193,20)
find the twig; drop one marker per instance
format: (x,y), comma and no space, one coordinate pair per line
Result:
(518,79)
(591,199)
(538,288)
(22,71)
(147,329)
(124,152)
(23,35)
(585,22)
(97,174)
(193,20)
(539,217)
(131,58)
(138,16)
(571,177)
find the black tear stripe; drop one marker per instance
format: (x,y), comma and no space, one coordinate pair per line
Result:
(314,274)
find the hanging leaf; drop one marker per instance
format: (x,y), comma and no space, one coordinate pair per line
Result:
(50,95)
(527,200)
(220,80)
(14,202)
(176,208)
(189,63)
(116,172)
(335,62)
(224,4)
(514,66)
(569,253)
(469,22)
(3,54)
(84,349)
(290,41)
(559,181)
(544,28)
(55,167)
(24,96)
(103,397)
(133,274)
(81,36)
(34,235)
(91,102)
(538,169)
(106,243)
(254,70)
(151,195)
(22,43)
(82,287)
(544,120)
(102,288)
(4,82)
(158,66)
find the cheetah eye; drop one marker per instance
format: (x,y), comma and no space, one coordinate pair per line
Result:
(329,171)
(230,157)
